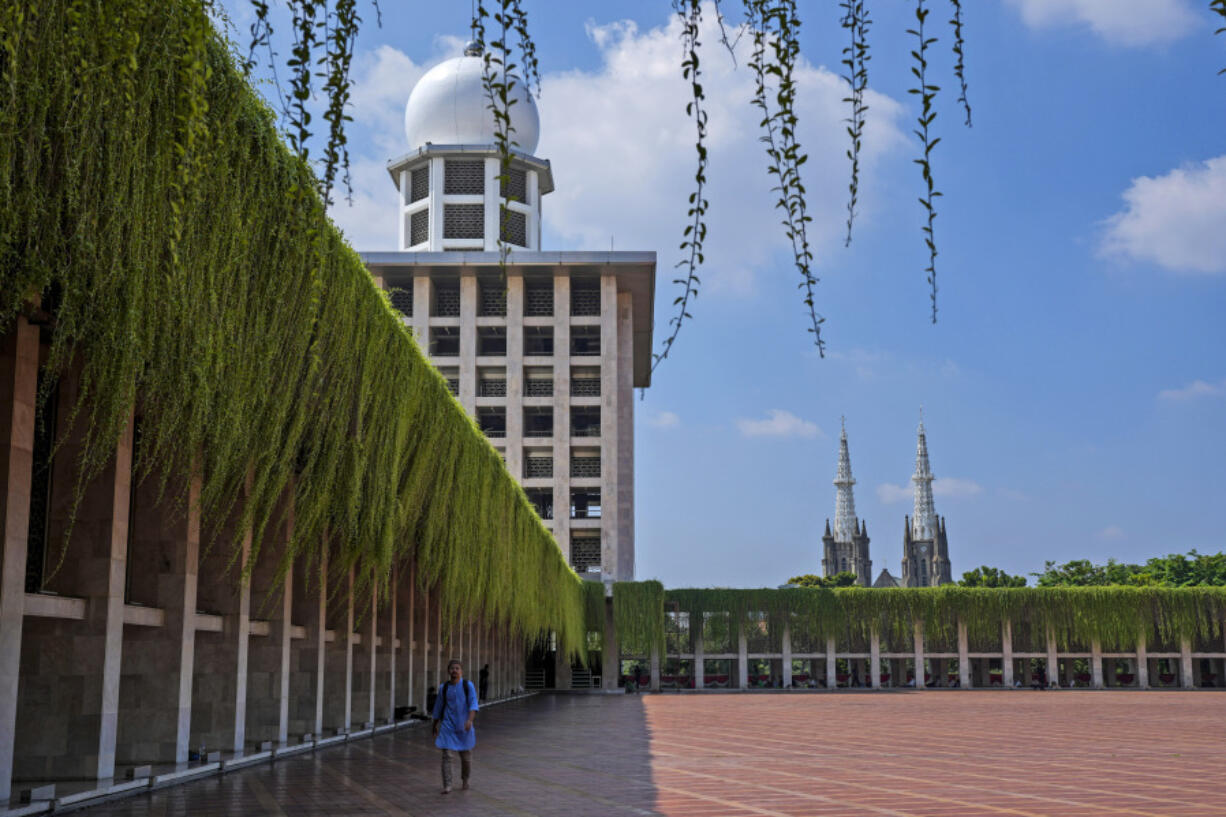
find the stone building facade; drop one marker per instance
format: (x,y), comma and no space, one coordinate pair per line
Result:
(925,556)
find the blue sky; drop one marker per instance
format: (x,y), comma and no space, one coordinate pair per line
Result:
(1074,389)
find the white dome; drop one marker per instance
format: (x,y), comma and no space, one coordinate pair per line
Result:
(448,106)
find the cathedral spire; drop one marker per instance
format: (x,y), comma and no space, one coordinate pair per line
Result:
(845,524)
(924,522)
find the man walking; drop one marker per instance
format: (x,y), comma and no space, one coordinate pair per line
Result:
(455,707)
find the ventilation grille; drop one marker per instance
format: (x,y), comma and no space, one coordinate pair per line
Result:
(585,386)
(587,467)
(515,228)
(538,387)
(446,302)
(584,551)
(419,184)
(402,301)
(538,299)
(491,387)
(515,185)
(584,300)
(419,228)
(538,467)
(463,220)
(493,300)
(464,177)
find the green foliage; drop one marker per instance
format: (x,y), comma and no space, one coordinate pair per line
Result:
(1175,570)
(927,93)
(189,270)
(638,617)
(843,578)
(990,577)
(1116,617)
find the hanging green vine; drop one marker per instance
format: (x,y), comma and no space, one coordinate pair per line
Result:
(855,57)
(184,256)
(638,617)
(1218,7)
(926,93)
(960,58)
(1117,617)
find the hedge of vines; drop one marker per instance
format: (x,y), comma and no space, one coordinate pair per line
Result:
(182,255)
(1117,617)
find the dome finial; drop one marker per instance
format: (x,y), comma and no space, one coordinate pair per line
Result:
(473,48)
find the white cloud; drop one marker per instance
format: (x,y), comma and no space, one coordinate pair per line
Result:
(947,487)
(664,419)
(1111,533)
(1120,22)
(778,423)
(1195,389)
(622,151)
(1174,220)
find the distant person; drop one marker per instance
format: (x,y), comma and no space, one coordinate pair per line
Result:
(454,710)
(483,681)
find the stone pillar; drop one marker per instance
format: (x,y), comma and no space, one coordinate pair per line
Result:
(78,662)
(409,639)
(611,658)
(654,662)
(338,683)
(786,648)
(268,660)
(1006,649)
(874,652)
(742,656)
(700,660)
(1185,664)
(919,654)
(423,689)
(1142,664)
(1096,664)
(964,660)
(155,711)
(391,632)
(317,631)
(832,681)
(1053,661)
(18,393)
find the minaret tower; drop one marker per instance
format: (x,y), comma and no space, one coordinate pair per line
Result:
(846,549)
(925,557)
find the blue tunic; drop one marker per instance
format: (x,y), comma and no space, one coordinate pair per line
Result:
(459,698)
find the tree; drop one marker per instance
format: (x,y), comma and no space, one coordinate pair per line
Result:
(842,579)
(985,576)
(1174,570)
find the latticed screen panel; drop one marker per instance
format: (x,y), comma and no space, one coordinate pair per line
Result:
(584,550)
(464,177)
(463,220)
(515,228)
(538,386)
(419,228)
(492,386)
(515,185)
(585,466)
(446,301)
(538,466)
(585,385)
(402,300)
(538,298)
(419,184)
(493,300)
(584,299)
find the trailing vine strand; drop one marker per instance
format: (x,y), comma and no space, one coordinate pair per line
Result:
(695,232)
(927,93)
(855,57)
(960,58)
(1218,7)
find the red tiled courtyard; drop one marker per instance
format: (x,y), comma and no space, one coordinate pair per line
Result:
(1016,752)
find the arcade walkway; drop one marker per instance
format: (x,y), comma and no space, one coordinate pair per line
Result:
(858,753)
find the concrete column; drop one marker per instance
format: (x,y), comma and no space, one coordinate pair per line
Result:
(611,657)
(389,647)
(654,661)
(1096,664)
(372,651)
(438,642)
(317,628)
(338,678)
(1185,664)
(742,656)
(561,413)
(410,636)
(919,654)
(831,666)
(874,650)
(423,690)
(609,448)
(1142,664)
(155,717)
(1053,660)
(78,662)
(699,651)
(515,376)
(18,394)
(964,660)
(624,498)
(786,648)
(1006,648)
